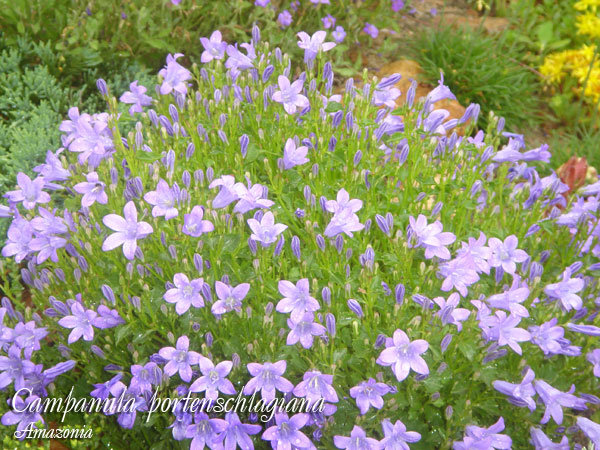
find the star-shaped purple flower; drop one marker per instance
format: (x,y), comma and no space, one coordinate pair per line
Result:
(294,156)
(358,440)
(369,393)
(193,223)
(403,355)
(266,231)
(164,201)
(174,76)
(313,44)
(214,48)
(186,293)
(180,358)
(92,190)
(136,96)
(286,432)
(289,95)
(506,254)
(297,299)
(127,231)
(80,321)
(213,379)
(230,298)
(267,378)
(304,330)
(30,192)
(396,436)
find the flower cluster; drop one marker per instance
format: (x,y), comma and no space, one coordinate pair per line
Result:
(254,237)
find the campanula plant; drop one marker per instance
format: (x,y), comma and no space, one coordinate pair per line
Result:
(254,235)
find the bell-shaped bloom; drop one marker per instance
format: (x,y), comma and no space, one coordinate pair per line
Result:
(214,48)
(542,442)
(313,44)
(267,378)
(164,201)
(266,231)
(174,76)
(396,436)
(316,385)
(230,297)
(30,192)
(566,291)
(294,156)
(431,237)
(358,440)
(213,379)
(80,321)
(180,359)
(228,192)
(186,293)
(92,190)
(369,393)
(304,330)
(286,434)
(555,400)
(136,96)
(251,198)
(590,429)
(506,254)
(193,223)
(297,299)
(127,231)
(520,394)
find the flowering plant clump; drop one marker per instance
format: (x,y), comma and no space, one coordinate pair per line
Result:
(582,65)
(257,237)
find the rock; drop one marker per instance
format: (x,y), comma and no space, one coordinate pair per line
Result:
(491,25)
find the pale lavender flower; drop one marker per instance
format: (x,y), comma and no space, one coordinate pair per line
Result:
(213,379)
(286,434)
(555,400)
(547,336)
(27,337)
(502,328)
(127,231)
(344,221)
(284,19)
(237,433)
(343,202)
(228,192)
(266,231)
(205,432)
(30,192)
(520,394)
(594,358)
(431,237)
(386,97)
(328,21)
(267,378)
(53,169)
(92,190)
(403,355)
(458,275)
(186,293)
(511,301)
(164,201)
(566,291)
(144,377)
(488,438)
(237,61)
(14,368)
(20,234)
(304,330)
(440,92)
(314,386)
(339,34)
(174,76)
(261,3)
(193,223)
(590,330)
(542,442)
(294,156)
(179,359)
(80,321)
(358,440)
(289,95)
(230,298)
(371,30)
(506,254)
(214,48)
(251,198)
(369,393)
(313,44)
(476,254)
(297,299)
(449,313)
(590,429)
(24,414)
(396,436)
(137,97)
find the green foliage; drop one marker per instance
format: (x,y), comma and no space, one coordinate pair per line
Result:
(479,69)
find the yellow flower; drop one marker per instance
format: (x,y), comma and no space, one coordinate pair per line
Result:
(582,5)
(588,24)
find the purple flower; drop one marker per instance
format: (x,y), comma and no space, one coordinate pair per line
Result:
(328,21)
(555,400)
(237,433)
(266,231)
(30,192)
(238,61)
(22,416)
(261,3)
(53,169)
(193,225)
(431,237)
(80,321)
(267,378)
(520,394)
(136,96)
(186,293)
(163,199)
(228,192)
(92,190)
(230,298)
(449,313)
(386,97)
(304,330)
(284,19)
(126,396)
(174,76)
(128,231)
(397,5)
(339,34)
(542,442)
(589,428)
(286,434)
(289,95)
(20,235)
(102,390)
(294,156)
(343,202)
(358,440)
(213,379)
(27,337)
(144,377)
(511,301)
(403,355)
(214,48)
(180,359)
(547,336)
(205,432)
(594,358)
(369,393)
(502,328)
(505,254)
(440,92)
(251,198)
(343,221)
(297,299)
(313,44)
(566,291)
(475,254)
(488,438)
(314,386)
(371,30)
(458,275)
(396,436)
(14,368)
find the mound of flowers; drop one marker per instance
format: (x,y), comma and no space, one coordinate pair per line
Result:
(245,234)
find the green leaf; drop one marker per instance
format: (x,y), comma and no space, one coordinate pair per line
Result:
(333,107)
(545,32)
